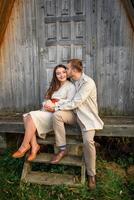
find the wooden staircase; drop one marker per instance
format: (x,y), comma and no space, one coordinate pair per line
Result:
(74,158)
(122,126)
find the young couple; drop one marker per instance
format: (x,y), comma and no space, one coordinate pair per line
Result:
(67,102)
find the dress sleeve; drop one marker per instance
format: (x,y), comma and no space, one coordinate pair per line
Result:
(70,94)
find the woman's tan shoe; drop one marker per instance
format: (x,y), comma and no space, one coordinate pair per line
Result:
(19,153)
(33,155)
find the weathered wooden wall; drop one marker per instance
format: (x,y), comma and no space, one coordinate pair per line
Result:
(41,34)
(115,57)
(19,62)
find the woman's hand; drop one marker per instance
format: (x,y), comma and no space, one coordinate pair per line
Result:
(48,106)
(49,109)
(49,103)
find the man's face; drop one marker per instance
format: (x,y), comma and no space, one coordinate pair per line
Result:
(69,70)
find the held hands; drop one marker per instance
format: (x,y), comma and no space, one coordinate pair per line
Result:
(49,109)
(49,106)
(49,103)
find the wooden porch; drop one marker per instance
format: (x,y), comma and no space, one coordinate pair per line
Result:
(114,127)
(118,126)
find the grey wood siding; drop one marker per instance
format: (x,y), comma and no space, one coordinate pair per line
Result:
(44,33)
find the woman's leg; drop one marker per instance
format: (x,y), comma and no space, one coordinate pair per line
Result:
(34,150)
(30,132)
(29,140)
(33,141)
(34,144)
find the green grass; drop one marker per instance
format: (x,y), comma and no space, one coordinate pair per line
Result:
(111,183)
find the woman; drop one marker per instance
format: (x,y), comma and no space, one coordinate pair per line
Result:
(40,122)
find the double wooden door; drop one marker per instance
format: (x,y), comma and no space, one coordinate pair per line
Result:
(63,34)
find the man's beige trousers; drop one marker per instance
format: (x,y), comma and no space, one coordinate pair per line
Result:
(68,117)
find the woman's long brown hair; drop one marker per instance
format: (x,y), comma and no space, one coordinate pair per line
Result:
(55,83)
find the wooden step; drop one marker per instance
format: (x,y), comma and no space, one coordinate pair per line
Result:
(67,160)
(51,140)
(46,178)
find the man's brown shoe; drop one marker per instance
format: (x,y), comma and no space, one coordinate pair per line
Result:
(91,182)
(57,157)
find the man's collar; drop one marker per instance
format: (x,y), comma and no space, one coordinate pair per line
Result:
(81,79)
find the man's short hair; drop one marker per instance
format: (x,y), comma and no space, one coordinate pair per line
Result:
(76,64)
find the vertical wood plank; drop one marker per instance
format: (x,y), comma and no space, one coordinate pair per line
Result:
(31,48)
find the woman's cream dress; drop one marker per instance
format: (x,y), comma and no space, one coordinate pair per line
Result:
(43,119)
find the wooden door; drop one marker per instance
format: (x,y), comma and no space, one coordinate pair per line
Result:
(63,34)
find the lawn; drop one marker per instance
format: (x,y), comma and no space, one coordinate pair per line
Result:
(112,183)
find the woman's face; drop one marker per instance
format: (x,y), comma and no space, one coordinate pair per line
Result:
(61,74)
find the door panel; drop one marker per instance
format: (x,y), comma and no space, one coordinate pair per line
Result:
(65,33)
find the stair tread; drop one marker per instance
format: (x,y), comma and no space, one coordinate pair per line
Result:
(51,178)
(51,140)
(67,160)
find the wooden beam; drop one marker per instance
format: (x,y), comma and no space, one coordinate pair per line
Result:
(114,127)
(5,12)
(129,7)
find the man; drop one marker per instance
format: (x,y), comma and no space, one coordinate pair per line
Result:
(83,109)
